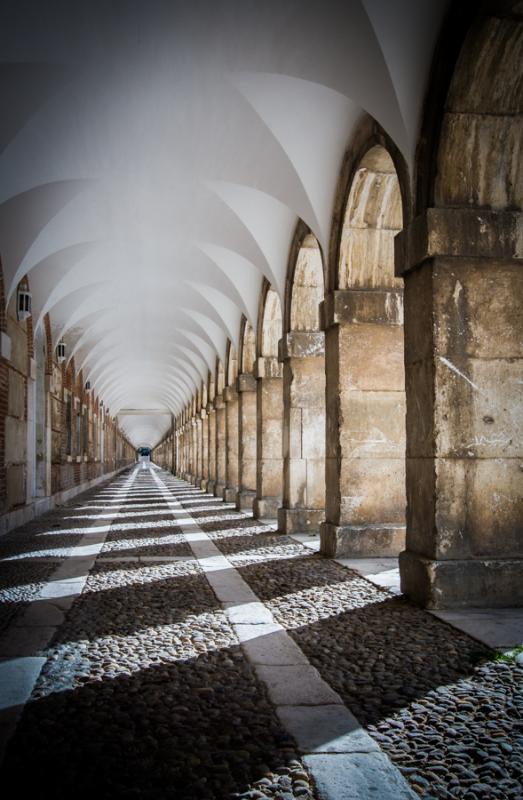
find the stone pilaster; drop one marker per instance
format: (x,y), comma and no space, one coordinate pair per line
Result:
(230,396)
(303,357)
(269,480)
(221,432)
(365,392)
(464,370)
(246,385)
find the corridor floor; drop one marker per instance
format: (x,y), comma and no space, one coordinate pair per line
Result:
(184,650)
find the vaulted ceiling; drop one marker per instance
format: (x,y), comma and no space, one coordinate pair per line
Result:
(156,156)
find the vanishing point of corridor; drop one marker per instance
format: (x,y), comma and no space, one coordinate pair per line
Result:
(173,647)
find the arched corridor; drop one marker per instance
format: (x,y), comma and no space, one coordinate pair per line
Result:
(261,482)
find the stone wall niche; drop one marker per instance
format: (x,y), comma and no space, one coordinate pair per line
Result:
(365,388)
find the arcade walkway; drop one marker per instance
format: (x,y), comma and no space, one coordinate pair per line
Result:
(171,647)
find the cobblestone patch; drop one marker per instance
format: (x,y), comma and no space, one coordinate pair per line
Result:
(449,716)
(146,693)
(20,582)
(147,542)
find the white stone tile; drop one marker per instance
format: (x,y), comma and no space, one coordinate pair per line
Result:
(499,628)
(42,613)
(17,678)
(21,640)
(296,685)
(357,776)
(253,613)
(269,645)
(326,729)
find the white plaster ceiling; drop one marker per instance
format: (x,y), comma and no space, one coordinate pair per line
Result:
(155,156)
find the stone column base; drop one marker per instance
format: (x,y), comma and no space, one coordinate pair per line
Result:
(229,494)
(210,486)
(266,507)
(361,541)
(487,583)
(245,500)
(203,484)
(300,520)
(219,486)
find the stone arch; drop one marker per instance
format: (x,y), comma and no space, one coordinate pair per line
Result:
(302,351)
(365,463)
(463,297)
(269,481)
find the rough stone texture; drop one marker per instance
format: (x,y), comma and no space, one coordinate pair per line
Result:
(16,395)
(269,485)
(365,437)
(303,436)
(247,440)
(232,446)
(463,464)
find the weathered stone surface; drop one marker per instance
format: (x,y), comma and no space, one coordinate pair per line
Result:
(466,232)
(363,306)
(353,776)
(15,485)
(302,344)
(15,440)
(372,491)
(16,395)
(462,583)
(18,337)
(362,541)
(372,425)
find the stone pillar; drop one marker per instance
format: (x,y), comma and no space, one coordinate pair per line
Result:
(187,438)
(205,450)
(192,446)
(269,478)
(246,384)
(221,445)
(365,394)
(211,422)
(464,348)
(230,396)
(199,449)
(303,357)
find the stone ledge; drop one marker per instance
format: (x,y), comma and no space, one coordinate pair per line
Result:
(363,306)
(268,367)
(301,344)
(462,233)
(230,394)
(246,382)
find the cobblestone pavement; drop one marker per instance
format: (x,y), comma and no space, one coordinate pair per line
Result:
(447,713)
(147,693)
